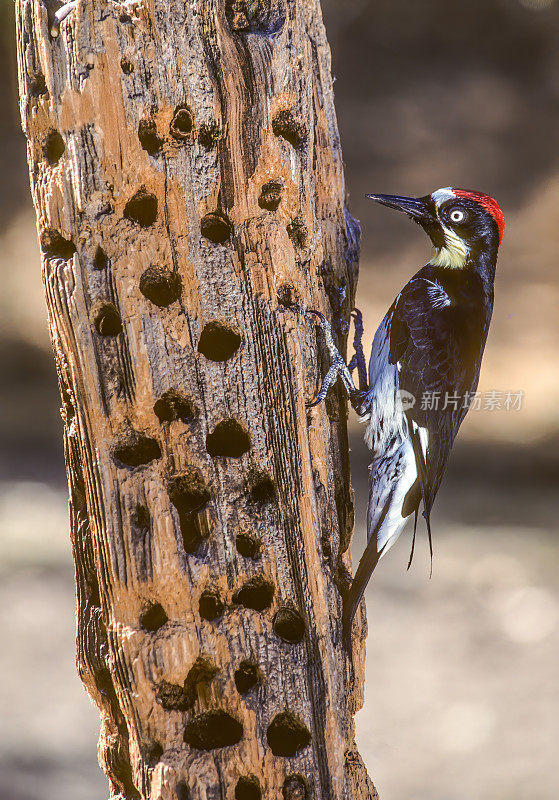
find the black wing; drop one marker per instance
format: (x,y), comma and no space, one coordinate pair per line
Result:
(436,341)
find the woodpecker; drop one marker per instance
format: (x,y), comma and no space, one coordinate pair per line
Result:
(428,347)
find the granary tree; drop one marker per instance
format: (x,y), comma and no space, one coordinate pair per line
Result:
(187,177)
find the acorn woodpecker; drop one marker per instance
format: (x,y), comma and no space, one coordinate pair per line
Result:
(424,367)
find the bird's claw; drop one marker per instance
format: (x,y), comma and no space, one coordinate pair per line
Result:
(357,317)
(338,367)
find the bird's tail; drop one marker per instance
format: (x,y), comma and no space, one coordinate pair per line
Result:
(367,564)
(426,494)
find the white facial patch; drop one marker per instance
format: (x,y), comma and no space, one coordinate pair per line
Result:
(453,255)
(455,252)
(442,195)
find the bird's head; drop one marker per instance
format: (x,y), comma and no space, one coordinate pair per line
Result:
(463,225)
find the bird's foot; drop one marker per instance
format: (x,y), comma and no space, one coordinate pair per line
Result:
(61,15)
(338,367)
(358,359)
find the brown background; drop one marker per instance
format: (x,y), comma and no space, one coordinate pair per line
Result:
(462,694)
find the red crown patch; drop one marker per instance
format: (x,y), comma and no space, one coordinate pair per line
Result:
(489,204)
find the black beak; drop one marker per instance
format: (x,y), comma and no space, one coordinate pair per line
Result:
(414,207)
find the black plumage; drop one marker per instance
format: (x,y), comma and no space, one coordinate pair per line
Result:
(424,367)
(438,332)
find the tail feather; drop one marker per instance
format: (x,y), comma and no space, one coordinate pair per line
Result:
(424,485)
(367,564)
(413,539)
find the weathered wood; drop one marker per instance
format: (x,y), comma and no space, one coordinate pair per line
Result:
(187,176)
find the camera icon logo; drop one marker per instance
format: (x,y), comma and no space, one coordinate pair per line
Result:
(404,399)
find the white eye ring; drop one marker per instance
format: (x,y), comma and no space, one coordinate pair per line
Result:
(457,215)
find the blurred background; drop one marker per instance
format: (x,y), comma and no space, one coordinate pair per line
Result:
(462,697)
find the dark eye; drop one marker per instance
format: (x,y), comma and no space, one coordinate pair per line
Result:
(457,215)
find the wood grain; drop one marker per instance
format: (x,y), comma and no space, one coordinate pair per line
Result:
(187,176)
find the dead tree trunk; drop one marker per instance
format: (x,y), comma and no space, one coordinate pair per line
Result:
(187,176)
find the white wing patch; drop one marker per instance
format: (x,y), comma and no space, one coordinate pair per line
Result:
(391,478)
(386,420)
(423,438)
(437,295)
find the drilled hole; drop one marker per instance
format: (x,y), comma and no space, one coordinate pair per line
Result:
(182,791)
(193,531)
(154,752)
(189,494)
(287,295)
(202,671)
(173,697)
(289,625)
(295,788)
(248,545)
(248,788)
(247,676)
(100,260)
(153,617)
(229,439)
(216,228)
(188,491)
(38,85)
(133,449)
(147,134)
(290,128)
(160,285)
(141,519)
(257,593)
(208,134)
(298,232)
(218,341)
(262,489)
(181,124)
(126,65)
(107,319)
(270,196)
(265,18)
(210,605)
(142,208)
(53,147)
(213,729)
(53,244)
(287,734)
(173,405)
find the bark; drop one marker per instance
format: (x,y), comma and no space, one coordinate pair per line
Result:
(187,176)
